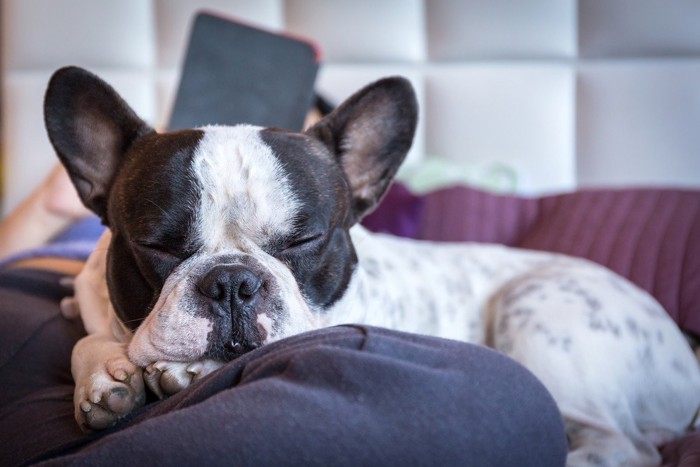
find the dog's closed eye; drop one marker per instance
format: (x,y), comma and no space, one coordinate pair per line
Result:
(155,262)
(304,242)
(157,258)
(157,252)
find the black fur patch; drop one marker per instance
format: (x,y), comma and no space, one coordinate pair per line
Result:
(160,229)
(323,270)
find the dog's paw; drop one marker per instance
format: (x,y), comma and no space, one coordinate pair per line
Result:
(109,394)
(167,378)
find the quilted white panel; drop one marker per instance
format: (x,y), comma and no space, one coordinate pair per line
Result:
(41,34)
(561,92)
(496,29)
(519,116)
(639,124)
(24,137)
(361,30)
(634,28)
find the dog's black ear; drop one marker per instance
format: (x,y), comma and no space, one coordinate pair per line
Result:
(91,128)
(370,134)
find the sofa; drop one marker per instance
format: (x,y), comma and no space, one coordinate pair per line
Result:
(371,412)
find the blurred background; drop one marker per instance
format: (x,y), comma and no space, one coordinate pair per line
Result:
(528,97)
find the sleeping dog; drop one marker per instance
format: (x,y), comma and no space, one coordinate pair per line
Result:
(222,239)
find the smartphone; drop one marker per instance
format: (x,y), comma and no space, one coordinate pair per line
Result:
(235,73)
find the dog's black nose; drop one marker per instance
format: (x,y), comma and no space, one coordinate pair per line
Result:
(235,284)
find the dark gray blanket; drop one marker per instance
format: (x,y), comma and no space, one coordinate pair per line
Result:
(350,395)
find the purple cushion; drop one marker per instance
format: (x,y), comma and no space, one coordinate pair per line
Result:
(650,236)
(456,214)
(399,213)
(682,452)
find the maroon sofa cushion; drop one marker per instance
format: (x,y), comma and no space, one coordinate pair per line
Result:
(650,236)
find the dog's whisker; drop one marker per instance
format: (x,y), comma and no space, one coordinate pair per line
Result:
(156,205)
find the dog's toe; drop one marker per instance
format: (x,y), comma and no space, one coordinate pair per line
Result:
(69,308)
(95,417)
(123,370)
(119,400)
(167,378)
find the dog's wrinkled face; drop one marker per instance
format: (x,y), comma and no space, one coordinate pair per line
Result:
(251,245)
(226,238)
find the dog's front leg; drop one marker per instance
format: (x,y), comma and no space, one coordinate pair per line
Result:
(107,385)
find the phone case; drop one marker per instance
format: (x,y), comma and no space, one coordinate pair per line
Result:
(234,73)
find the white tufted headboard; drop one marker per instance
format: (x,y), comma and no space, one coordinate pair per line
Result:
(561,92)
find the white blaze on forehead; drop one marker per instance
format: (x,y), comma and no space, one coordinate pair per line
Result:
(246,194)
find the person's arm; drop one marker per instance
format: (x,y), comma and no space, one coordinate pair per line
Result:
(49,209)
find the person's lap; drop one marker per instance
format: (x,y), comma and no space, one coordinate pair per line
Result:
(36,389)
(348,395)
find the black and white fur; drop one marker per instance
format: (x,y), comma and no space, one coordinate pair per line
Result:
(222,239)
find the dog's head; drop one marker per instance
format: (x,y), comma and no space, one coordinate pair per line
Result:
(225,238)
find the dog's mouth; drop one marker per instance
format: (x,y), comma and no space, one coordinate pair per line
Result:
(237,348)
(232,338)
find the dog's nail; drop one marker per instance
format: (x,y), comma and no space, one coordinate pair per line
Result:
(85,406)
(160,366)
(67,281)
(121,375)
(194,369)
(69,308)
(95,397)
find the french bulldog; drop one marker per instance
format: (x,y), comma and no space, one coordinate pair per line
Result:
(222,239)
